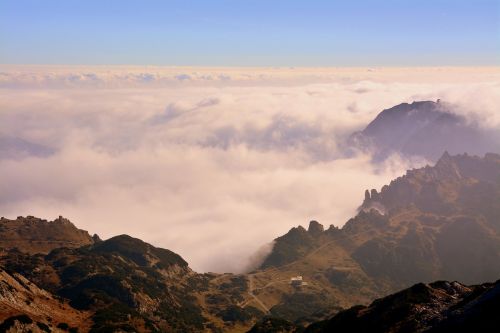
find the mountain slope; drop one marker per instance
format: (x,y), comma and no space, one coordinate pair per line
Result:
(24,306)
(130,285)
(437,307)
(434,223)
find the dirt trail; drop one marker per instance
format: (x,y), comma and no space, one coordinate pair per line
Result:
(250,292)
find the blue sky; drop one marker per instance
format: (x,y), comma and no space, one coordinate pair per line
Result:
(251,32)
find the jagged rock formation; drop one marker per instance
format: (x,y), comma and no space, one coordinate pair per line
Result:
(434,223)
(455,184)
(315,228)
(425,129)
(33,235)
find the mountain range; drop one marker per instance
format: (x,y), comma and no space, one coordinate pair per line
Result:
(385,270)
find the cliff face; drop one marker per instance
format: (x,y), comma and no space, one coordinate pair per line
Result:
(33,235)
(425,129)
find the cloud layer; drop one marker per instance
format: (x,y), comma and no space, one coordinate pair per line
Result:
(210,163)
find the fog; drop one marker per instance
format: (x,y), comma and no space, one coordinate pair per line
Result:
(212,163)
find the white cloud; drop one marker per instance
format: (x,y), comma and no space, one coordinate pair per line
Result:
(214,166)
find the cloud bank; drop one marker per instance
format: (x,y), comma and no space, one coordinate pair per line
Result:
(211,163)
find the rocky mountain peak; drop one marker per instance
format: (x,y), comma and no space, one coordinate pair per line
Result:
(423,129)
(315,228)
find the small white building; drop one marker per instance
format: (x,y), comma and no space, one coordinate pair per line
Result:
(297,281)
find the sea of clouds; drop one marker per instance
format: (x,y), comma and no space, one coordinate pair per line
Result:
(212,163)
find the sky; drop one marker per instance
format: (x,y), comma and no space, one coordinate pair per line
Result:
(251,33)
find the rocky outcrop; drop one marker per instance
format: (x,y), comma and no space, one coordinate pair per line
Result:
(315,228)
(34,235)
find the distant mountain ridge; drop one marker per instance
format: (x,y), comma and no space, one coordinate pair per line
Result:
(425,129)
